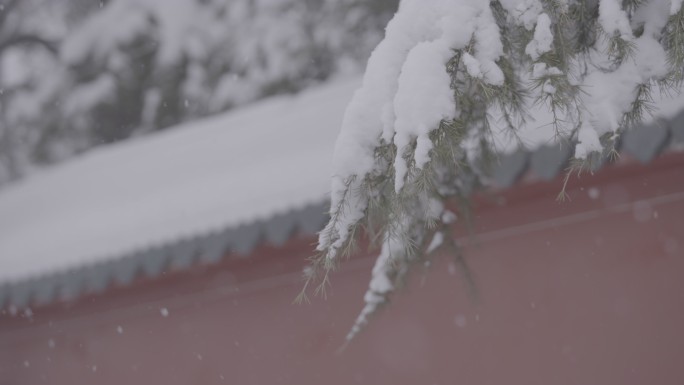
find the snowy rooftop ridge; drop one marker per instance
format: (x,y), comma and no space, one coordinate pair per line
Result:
(198,178)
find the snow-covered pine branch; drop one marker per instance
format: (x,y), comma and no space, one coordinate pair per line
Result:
(453,77)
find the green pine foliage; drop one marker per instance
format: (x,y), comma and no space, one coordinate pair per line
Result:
(408,222)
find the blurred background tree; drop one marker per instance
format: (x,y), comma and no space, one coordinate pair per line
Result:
(80,73)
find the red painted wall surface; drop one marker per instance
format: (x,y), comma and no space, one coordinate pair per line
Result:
(589,291)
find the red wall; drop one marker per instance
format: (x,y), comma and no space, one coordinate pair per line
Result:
(589,291)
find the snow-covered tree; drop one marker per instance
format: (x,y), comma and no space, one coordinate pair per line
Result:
(26,41)
(123,68)
(138,66)
(455,81)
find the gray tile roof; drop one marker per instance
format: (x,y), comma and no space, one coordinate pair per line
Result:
(179,255)
(546,163)
(647,142)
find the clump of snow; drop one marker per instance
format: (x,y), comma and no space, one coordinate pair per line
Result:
(612,93)
(391,254)
(653,15)
(525,12)
(613,18)
(675,6)
(381,283)
(587,142)
(540,69)
(416,46)
(392,262)
(549,89)
(437,241)
(420,103)
(488,46)
(472,66)
(543,38)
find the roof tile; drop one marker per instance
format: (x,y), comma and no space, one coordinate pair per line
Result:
(312,218)
(547,161)
(244,238)
(214,246)
(182,254)
(153,261)
(43,291)
(510,167)
(677,128)
(647,141)
(20,293)
(125,269)
(280,228)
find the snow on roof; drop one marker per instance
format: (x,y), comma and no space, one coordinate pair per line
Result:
(199,190)
(207,175)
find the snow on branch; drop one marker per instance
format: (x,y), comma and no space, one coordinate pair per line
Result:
(451,78)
